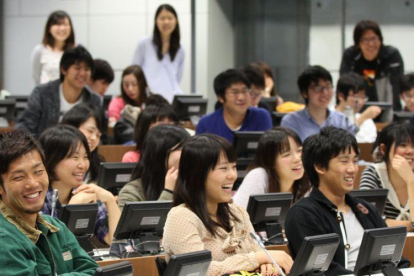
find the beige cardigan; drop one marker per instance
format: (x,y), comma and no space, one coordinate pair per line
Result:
(235,251)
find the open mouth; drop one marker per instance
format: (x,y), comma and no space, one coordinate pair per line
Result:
(227,188)
(32,196)
(297,169)
(349,180)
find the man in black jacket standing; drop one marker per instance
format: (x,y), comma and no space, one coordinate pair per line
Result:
(330,161)
(48,102)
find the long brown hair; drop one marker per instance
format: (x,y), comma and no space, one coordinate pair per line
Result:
(55,18)
(142,85)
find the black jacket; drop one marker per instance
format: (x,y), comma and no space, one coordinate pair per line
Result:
(389,65)
(316,215)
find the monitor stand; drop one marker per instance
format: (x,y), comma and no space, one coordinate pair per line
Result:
(387,268)
(85,242)
(274,233)
(314,273)
(149,243)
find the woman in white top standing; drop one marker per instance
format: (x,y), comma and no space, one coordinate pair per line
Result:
(161,55)
(58,37)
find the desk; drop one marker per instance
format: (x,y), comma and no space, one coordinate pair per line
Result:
(146,265)
(114,153)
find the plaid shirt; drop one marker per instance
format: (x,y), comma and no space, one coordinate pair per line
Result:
(101,225)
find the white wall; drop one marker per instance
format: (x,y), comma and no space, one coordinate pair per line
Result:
(110,29)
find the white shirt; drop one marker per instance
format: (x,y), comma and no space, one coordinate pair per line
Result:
(367,131)
(354,234)
(65,106)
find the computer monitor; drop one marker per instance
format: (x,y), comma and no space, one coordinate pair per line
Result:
(188,96)
(315,255)
(114,176)
(380,250)
(376,197)
(80,220)
(271,103)
(268,213)
(401,116)
(119,269)
(193,263)
(191,109)
(246,143)
(21,104)
(386,111)
(144,221)
(277,118)
(7,109)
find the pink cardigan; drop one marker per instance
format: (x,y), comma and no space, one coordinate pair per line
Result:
(115,107)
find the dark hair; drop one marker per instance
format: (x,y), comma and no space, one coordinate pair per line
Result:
(75,55)
(312,74)
(255,75)
(347,82)
(152,167)
(200,155)
(78,115)
(151,114)
(13,145)
(362,26)
(59,142)
(103,71)
(406,83)
(266,71)
(175,35)
(227,78)
(56,18)
(272,143)
(156,99)
(319,149)
(142,85)
(396,132)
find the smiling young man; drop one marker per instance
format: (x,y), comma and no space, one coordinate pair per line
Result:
(233,91)
(315,86)
(32,244)
(379,64)
(330,161)
(48,102)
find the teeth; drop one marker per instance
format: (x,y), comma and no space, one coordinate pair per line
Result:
(32,195)
(349,179)
(298,168)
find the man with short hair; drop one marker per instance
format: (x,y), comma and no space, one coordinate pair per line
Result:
(48,102)
(32,244)
(330,162)
(315,86)
(233,91)
(101,78)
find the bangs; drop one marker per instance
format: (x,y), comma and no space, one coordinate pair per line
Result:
(404,137)
(284,145)
(73,148)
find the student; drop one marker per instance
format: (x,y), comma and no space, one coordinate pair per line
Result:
(48,102)
(153,115)
(393,170)
(277,167)
(161,55)
(379,64)
(133,92)
(203,217)
(269,90)
(67,161)
(58,37)
(31,243)
(330,161)
(155,175)
(101,78)
(406,89)
(233,91)
(315,86)
(350,98)
(90,121)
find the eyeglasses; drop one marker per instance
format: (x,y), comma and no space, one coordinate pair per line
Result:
(368,40)
(408,97)
(236,92)
(256,93)
(319,89)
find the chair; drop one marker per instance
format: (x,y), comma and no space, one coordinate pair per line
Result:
(161,265)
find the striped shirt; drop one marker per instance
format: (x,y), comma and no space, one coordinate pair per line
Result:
(370,179)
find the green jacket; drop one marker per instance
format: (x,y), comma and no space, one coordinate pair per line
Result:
(133,191)
(51,249)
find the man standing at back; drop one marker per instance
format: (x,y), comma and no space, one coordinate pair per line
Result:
(48,102)
(233,91)
(30,243)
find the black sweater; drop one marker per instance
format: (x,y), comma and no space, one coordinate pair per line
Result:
(316,215)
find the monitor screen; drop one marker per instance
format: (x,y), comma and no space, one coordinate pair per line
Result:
(376,197)
(188,96)
(193,263)
(140,217)
(400,116)
(246,143)
(271,102)
(113,176)
(188,108)
(119,269)
(380,246)
(7,109)
(315,254)
(79,218)
(386,111)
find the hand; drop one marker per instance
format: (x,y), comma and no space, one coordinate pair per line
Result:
(402,167)
(267,269)
(171,179)
(282,259)
(100,193)
(371,112)
(83,198)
